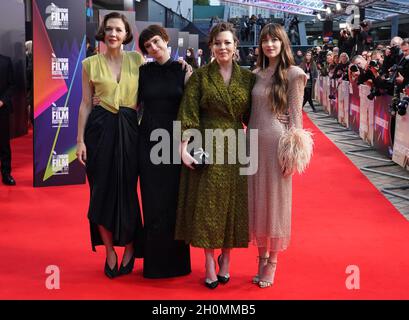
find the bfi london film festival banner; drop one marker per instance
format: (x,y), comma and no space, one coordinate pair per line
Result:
(382,125)
(366,117)
(401,142)
(325,94)
(343,103)
(59,48)
(354,107)
(316,89)
(334,102)
(320,89)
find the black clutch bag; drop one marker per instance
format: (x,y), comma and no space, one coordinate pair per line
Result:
(201,156)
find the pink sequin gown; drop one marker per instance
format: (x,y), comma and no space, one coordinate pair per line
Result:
(269,193)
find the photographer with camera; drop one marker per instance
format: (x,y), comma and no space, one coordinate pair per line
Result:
(345,41)
(393,54)
(341,69)
(357,69)
(373,76)
(322,53)
(340,73)
(361,38)
(402,78)
(327,67)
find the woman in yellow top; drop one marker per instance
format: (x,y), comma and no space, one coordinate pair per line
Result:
(107,144)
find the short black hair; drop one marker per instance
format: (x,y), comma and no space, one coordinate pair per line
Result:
(149,32)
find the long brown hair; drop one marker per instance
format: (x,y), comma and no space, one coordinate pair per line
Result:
(285,60)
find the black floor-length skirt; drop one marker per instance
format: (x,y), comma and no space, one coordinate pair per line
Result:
(163,255)
(112,170)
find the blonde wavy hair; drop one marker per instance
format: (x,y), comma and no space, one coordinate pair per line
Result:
(279,86)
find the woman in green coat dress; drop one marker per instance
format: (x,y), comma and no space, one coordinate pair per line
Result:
(212,208)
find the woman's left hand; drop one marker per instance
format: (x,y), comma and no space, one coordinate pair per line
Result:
(287,173)
(95,101)
(284,118)
(185,66)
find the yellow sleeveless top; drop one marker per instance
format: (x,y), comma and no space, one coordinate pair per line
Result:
(114,94)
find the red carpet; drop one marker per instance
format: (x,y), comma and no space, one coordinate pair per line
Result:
(339,219)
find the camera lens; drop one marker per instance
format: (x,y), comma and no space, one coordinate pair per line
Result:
(401,111)
(353,68)
(402,106)
(373,63)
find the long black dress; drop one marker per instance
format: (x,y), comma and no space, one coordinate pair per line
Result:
(160,92)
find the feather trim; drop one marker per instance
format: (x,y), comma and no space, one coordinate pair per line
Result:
(295,150)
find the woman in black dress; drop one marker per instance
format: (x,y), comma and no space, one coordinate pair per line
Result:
(161,86)
(106,145)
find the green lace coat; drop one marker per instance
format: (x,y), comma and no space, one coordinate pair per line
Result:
(212,207)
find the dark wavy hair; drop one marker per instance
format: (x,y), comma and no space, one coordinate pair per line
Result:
(100,36)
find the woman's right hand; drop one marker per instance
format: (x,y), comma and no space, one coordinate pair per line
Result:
(81,153)
(95,101)
(187,159)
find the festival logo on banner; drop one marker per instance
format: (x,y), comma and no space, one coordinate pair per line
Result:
(382,138)
(354,104)
(59,68)
(327,100)
(321,91)
(57,18)
(366,117)
(401,143)
(343,103)
(59,116)
(60,163)
(334,98)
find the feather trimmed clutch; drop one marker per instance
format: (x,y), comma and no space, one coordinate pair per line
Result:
(295,149)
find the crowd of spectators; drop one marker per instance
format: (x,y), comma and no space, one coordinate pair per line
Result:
(383,67)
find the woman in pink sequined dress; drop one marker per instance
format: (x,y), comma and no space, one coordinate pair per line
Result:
(279,89)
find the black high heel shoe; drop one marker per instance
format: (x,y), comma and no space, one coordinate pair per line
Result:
(111,273)
(211,284)
(128,268)
(222,279)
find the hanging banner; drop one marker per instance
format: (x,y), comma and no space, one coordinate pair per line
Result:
(321,89)
(58,49)
(316,89)
(382,125)
(366,117)
(325,96)
(334,98)
(343,103)
(401,141)
(354,107)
